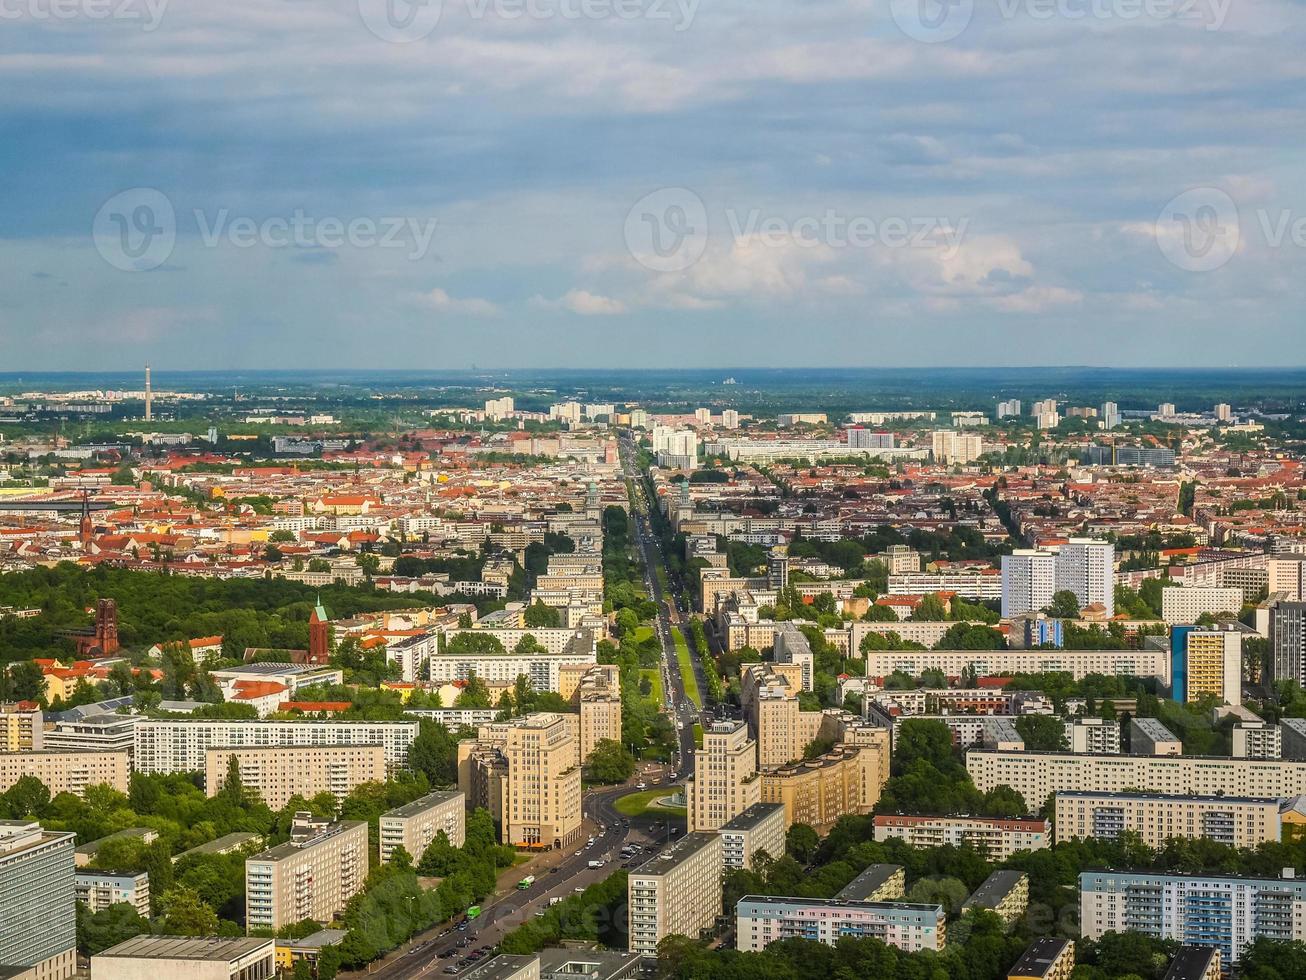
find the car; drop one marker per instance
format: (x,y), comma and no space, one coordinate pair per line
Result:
(578,853)
(554,871)
(578,889)
(641,785)
(450,970)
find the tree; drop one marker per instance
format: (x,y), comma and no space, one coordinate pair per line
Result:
(802,842)
(1042,733)
(931,610)
(233,789)
(434,752)
(26,682)
(440,857)
(27,797)
(475,695)
(1064,605)
(538,616)
(609,762)
(107,927)
(184,914)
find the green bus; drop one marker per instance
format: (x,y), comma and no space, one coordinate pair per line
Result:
(473,912)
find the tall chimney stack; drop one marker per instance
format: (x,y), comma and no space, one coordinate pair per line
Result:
(149,396)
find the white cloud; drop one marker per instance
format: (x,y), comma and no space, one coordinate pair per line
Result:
(582,302)
(438,299)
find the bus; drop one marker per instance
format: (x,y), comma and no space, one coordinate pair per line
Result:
(525,883)
(473,912)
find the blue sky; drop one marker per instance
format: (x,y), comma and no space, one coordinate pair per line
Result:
(686,183)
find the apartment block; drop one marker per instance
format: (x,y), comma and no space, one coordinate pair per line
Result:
(877,883)
(1292,738)
(203,958)
(1084,566)
(761,920)
(95,733)
(1045,959)
(817,792)
(1256,740)
(65,772)
(1224,911)
(180,745)
(277,774)
(311,876)
(21,727)
(598,704)
(526,772)
(951,446)
(1037,775)
(97,890)
(1004,893)
(994,837)
(1288,641)
(760,829)
(414,825)
(1147,736)
(1185,605)
(1195,963)
(725,781)
(989,663)
(1233,820)
(1093,735)
(676,893)
(38,927)
(1205,662)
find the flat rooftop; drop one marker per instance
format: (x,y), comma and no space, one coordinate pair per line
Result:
(680,851)
(282,851)
(189,948)
(752,816)
(502,967)
(423,804)
(1076,794)
(868,882)
(936,910)
(1190,963)
(995,888)
(1038,959)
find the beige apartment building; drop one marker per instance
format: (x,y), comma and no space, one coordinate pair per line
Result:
(1237,821)
(598,703)
(526,772)
(817,792)
(66,772)
(758,830)
(1037,775)
(1004,893)
(311,876)
(997,838)
(21,727)
(677,893)
(1045,959)
(725,781)
(414,825)
(277,773)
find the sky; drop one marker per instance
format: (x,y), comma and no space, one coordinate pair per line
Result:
(651,183)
